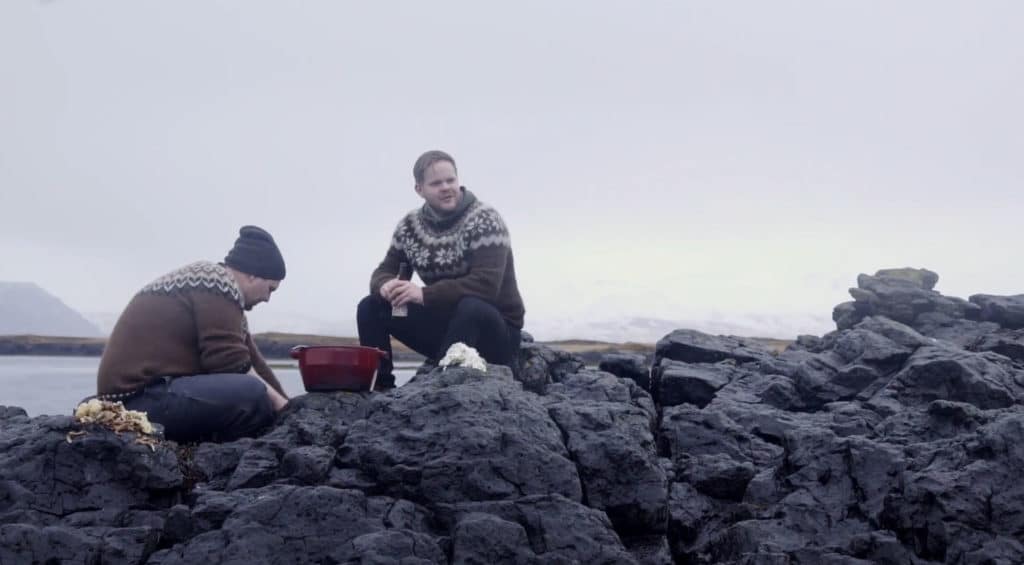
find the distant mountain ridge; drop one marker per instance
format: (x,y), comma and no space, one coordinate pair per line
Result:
(26,308)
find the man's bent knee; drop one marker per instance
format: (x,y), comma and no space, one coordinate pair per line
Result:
(252,410)
(476,308)
(370,307)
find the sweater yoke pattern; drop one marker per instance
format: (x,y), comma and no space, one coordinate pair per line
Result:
(442,252)
(201,275)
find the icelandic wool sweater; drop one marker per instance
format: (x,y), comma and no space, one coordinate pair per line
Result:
(466,254)
(187,322)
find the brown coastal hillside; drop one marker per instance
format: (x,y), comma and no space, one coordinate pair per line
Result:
(275,345)
(50,345)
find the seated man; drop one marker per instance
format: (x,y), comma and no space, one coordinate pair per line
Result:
(181,350)
(461,249)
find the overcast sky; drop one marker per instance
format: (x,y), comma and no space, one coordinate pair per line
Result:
(731,162)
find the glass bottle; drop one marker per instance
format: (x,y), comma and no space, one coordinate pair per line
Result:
(404,274)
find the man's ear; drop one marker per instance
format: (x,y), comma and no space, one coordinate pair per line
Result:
(418,189)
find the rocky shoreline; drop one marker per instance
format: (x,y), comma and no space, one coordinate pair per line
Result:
(896,438)
(276,346)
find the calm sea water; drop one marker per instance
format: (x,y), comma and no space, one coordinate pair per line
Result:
(54,385)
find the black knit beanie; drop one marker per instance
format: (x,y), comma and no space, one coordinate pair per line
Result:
(256,253)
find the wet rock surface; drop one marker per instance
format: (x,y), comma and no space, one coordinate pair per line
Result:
(895,439)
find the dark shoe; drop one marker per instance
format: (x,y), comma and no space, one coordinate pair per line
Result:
(384,382)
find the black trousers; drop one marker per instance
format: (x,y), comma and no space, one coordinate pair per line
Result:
(429,332)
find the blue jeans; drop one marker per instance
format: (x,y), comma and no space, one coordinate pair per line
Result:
(215,407)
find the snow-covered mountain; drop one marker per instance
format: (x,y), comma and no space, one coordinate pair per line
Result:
(650,330)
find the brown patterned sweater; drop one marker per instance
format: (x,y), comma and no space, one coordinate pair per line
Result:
(187,322)
(469,254)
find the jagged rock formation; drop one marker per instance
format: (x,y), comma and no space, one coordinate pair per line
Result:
(886,441)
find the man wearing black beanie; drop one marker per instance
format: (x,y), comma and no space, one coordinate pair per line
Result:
(256,253)
(181,350)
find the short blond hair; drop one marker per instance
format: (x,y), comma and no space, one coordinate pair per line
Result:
(426,160)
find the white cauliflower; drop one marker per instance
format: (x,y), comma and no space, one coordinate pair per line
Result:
(463,355)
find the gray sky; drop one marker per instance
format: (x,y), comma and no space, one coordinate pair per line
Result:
(707,163)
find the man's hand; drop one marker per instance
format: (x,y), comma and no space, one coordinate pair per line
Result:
(399,292)
(387,288)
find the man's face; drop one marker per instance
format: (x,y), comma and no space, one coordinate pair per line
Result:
(256,290)
(440,187)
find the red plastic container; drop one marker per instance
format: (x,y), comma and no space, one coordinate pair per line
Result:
(338,367)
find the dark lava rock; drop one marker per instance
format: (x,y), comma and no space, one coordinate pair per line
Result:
(1007,311)
(627,366)
(82,497)
(694,383)
(894,439)
(920,277)
(319,524)
(1008,344)
(541,365)
(607,425)
(532,529)
(901,297)
(461,436)
(691,346)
